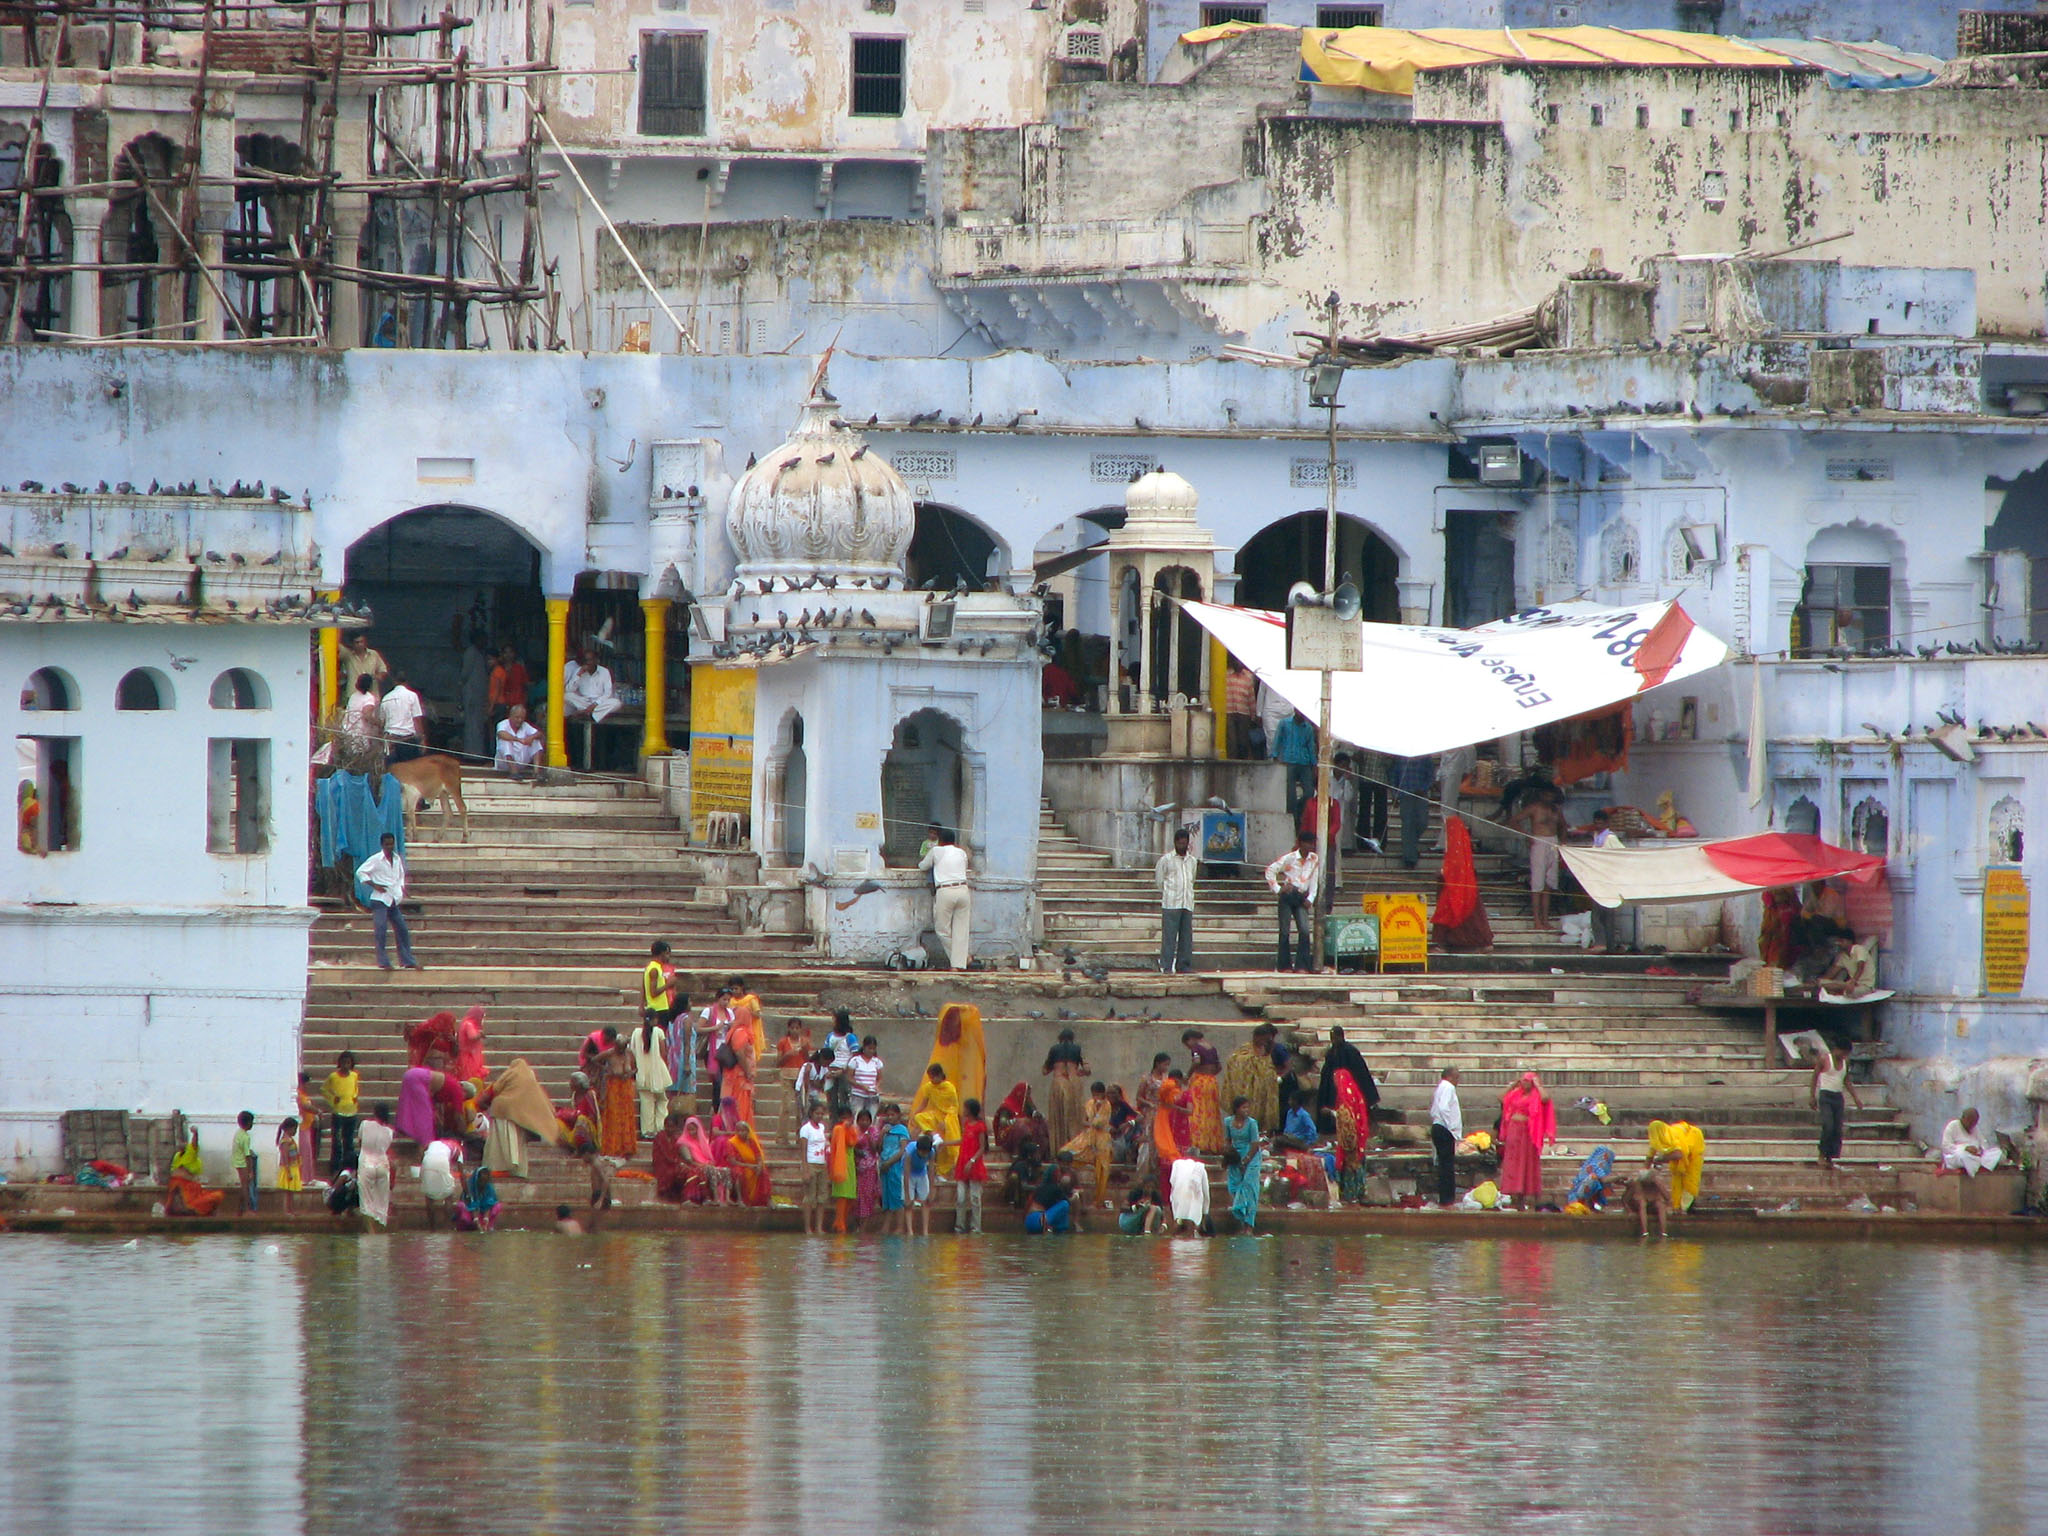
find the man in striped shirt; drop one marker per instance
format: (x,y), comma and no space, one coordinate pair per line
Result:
(1176,873)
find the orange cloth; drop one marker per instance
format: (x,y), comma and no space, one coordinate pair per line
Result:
(1172,1099)
(839,1155)
(619,1133)
(189,1198)
(749,1166)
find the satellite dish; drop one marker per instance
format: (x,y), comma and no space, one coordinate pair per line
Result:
(1344,601)
(1300,592)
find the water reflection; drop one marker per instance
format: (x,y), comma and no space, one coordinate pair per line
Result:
(631,1383)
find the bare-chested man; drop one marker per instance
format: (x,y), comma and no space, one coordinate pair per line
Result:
(1543,819)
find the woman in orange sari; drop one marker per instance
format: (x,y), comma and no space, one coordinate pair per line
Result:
(1169,1130)
(745,1040)
(1459,922)
(1205,1097)
(840,1170)
(749,1165)
(618,1133)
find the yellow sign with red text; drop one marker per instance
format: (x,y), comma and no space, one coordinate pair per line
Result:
(2006,918)
(1404,929)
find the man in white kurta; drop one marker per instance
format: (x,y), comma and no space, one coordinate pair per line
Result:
(1964,1150)
(519,744)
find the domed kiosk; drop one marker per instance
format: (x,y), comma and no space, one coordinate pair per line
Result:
(878,711)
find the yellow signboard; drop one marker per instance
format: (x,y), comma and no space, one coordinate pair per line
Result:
(2005,929)
(1404,929)
(721,744)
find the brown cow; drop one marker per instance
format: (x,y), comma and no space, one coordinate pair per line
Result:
(434,776)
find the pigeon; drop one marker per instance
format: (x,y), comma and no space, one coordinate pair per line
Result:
(119,554)
(134,599)
(272,559)
(6,552)
(215,557)
(867,618)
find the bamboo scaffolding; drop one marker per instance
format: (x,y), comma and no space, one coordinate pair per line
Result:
(280,248)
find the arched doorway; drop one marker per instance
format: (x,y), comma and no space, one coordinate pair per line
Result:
(1291,550)
(949,549)
(789,788)
(924,784)
(436,578)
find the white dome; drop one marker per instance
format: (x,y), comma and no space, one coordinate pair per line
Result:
(1160,497)
(821,503)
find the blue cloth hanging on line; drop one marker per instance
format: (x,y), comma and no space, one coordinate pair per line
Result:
(352,820)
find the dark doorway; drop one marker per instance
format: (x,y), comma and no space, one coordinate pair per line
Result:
(1479,568)
(1291,550)
(2022,525)
(950,550)
(433,578)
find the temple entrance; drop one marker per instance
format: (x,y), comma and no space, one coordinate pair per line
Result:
(790,787)
(437,577)
(1291,550)
(923,785)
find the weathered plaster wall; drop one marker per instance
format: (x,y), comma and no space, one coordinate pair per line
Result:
(780,76)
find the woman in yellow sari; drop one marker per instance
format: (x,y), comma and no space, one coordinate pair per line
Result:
(936,1111)
(189,1196)
(1091,1148)
(960,1048)
(749,1165)
(1682,1147)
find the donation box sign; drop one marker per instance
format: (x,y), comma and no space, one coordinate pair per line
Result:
(2006,916)
(1404,930)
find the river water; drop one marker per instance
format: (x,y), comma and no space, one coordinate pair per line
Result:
(624,1383)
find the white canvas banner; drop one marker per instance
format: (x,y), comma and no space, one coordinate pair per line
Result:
(1429,690)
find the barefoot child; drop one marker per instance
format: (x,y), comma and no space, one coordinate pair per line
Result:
(971,1171)
(242,1155)
(290,1177)
(1646,1193)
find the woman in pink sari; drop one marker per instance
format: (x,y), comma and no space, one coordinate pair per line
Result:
(469,1047)
(1528,1124)
(697,1143)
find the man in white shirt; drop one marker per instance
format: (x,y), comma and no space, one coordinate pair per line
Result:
(817,1190)
(1963,1148)
(587,689)
(1604,836)
(1294,878)
(952,915)
(1446,1130)
(1176,875)
(384,873)
(518,744)
(400,716)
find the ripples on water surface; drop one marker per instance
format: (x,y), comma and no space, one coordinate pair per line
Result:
(610,1384)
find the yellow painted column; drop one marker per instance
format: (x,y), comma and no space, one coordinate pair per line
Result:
(330,662)
(558,663)
(1219,683)
(655,742)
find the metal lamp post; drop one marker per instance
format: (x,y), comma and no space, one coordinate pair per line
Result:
(1325,378)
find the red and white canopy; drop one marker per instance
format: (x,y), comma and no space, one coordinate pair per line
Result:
(1640,876)
(1430,690)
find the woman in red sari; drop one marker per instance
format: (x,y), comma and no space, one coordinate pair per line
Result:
(1354,1129)
(1528,1124)
(1459,923)
(670,1182)
(1170,1136)
(469,1047)
(432,1034)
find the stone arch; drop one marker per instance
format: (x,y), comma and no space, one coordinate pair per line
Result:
(928,778)
(47,237)
(1852,591)
(1802,814)
(267,212)
(49,689)
(160,302)
(145,689)
(950,547)
(786,783)
(1290,549)
(431,568)
(1868,825)
(239,688)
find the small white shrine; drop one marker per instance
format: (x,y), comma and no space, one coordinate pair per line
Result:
(879,711)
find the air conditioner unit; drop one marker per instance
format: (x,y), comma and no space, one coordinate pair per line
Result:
(1082,43)
(935,621)
(1500,464)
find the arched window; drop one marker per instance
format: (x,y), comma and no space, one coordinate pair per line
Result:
(923,786)
(1870,826)
(2008,831)
(1846,602)
(144,688)
(1802,815)
(239,688)
(49,689)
